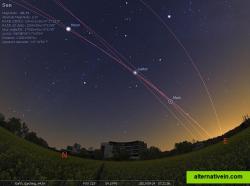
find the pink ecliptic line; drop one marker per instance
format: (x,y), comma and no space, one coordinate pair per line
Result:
(190,58)
(120,62)
(169,110)
(104,42)
(113,50)
(47,16)
(107,45)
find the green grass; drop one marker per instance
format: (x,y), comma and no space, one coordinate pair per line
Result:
(233,156)
(20,159)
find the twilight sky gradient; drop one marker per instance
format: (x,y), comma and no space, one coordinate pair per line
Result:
(68,91)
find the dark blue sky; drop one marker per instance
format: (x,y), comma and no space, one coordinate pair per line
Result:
(69,91)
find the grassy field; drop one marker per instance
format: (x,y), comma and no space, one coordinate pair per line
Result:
(20,159)
(233,156)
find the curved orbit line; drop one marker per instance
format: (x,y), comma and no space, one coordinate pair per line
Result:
(139,76)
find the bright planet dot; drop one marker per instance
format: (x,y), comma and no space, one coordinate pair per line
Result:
(68,28)
(135,72)
(169,16)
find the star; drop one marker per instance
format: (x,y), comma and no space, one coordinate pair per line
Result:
(135,72)
(68,28)
(169,16)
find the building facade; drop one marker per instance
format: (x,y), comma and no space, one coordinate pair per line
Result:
(75,149)
(133,149)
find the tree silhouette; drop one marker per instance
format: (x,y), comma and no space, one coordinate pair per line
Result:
(24,130)
(14,125)
(151,153)
(2,118)
(32,137)
(183,147)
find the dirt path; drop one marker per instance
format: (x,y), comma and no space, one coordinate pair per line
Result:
(99,175)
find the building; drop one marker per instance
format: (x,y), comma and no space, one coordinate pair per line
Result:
(133,149)
(107,150)
(75,149)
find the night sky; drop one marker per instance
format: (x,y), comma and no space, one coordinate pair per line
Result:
(69,91)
